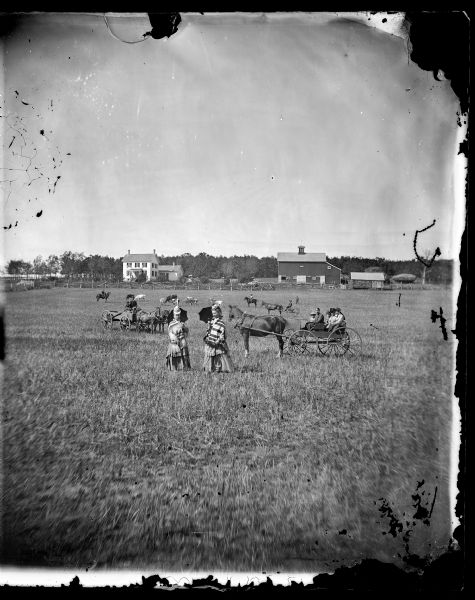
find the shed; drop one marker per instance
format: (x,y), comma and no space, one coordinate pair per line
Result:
(367,280)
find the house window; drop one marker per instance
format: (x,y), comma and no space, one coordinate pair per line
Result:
(129,264)
(283,278)
(137,264)
(329,267)
(301,266)
(144,264)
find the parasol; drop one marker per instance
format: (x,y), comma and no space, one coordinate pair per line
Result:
(205,314)
(183,316)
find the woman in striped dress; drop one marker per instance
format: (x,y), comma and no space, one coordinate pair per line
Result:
(217,358)
(178,357)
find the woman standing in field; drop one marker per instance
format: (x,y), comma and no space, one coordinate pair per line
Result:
(178,357)
(217,358)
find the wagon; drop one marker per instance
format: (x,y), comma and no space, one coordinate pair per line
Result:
(123,317)
(339,342)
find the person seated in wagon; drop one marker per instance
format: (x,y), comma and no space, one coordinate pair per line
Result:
(178,357)
(131,305)
(316,320)
(217,358)
(336,319)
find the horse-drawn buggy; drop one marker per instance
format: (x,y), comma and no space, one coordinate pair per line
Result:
(125,318)
(338,342)
(140,319)
(303,341)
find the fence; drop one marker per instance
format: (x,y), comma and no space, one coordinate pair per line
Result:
(12,284)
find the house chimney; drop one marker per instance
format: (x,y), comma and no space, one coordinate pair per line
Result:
(301,249)
(128,251)
(154,251)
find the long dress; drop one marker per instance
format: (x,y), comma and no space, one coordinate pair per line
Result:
(217,358)
(178,357)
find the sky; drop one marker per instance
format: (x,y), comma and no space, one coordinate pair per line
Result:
(240,134)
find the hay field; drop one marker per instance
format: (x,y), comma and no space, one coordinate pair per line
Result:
(293,464)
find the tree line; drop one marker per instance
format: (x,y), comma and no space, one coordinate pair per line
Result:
(205,266)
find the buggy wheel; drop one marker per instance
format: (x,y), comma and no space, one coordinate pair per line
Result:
(303,343)
(285,337)
(106,319)
(352,342)
(338,342)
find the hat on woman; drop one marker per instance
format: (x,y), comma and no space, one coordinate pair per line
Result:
(314,312)
(216,308)
(177,311)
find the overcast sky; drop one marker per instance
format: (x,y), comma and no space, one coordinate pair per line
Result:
(240,134)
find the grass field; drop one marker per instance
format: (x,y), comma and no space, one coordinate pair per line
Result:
(292,464)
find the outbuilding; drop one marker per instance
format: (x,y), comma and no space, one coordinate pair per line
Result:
(367,280)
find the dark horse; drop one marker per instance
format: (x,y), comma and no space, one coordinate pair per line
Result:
(258,326)
(103,295)
(162,319)
(270,307)
(250,301)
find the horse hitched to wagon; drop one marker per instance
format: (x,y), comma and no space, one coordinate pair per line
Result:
(304,341)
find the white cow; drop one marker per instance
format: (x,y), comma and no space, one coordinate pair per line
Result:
(140,297)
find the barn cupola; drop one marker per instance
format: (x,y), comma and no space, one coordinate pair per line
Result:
(301,249)
(128,251)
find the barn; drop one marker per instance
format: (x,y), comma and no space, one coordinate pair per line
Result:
(367,280)
(306,267)
(135,264)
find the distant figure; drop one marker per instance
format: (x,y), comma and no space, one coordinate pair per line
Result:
(217,358)
(178,357)
(297,300)
(289,305)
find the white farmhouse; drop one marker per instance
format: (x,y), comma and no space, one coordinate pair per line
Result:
(135,264)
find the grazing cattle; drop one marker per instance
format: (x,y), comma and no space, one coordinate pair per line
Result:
(102,296)
(140,297)
(258,326)
(170,299)
(191,300)
(270,307)
(250,301)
